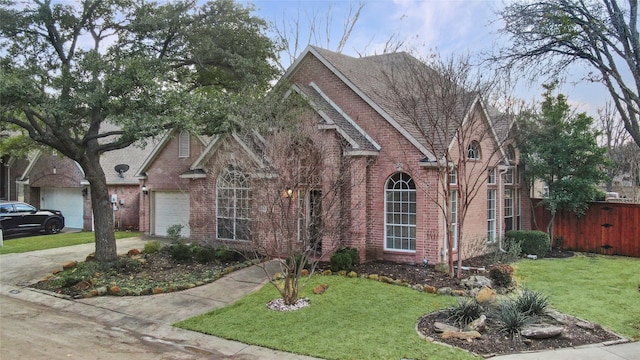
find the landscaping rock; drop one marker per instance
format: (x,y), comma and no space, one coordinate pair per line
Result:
(442,327)
(70,265)
(478,324)
(320,289)
(558,316)
(464,335)
(585,325)
(541,332)
(83,285)
(429,289)
(476,281)
(444,291)
(486,295)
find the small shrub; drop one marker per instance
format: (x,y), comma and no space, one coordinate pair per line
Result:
(464,312)
(532,302)
(511,254)
(442,267)
(353,253)
(180,252)
(559,242)
(152,247)
(205,254)
(224,253)
(173,232)
(510,319)
(341,261)
(501,275)
(532,242)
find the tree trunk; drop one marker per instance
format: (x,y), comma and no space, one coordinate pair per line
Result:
(550,229)
(102,210)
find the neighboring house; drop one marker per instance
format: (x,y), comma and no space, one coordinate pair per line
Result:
(10,168)
(212,186)
(49,180)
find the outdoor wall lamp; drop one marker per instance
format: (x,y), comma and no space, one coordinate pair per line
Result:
(145,191)
(287,193)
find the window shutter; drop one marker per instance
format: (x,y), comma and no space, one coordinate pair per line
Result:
(183,143)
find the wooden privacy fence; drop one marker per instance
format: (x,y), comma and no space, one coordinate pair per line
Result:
(606,228)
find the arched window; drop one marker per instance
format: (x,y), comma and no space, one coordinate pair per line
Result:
(400,213)
(233,208)
(183,144)
(473,151)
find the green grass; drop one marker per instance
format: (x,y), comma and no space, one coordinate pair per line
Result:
(353,319)
(42,242)
(602,289)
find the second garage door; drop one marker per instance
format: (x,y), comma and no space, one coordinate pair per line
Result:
(171,208)
(67,200)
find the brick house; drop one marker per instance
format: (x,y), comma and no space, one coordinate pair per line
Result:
(394,170)
(49,180)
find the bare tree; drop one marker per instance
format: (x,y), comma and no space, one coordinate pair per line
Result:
(296,200)
(612,137)
(630,154)
(546,36)
(295,33)
(442,101)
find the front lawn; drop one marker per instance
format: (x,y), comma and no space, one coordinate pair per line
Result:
(354,319)
(41,242)
(601,289)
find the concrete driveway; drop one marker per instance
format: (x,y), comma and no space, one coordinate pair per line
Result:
(38,325)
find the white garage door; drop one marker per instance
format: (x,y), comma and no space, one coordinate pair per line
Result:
(171,208)
(67,200)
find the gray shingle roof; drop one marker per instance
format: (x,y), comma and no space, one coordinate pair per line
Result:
(133,156)
(332,116)
(373,76)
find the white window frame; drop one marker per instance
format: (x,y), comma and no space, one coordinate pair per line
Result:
(473,151)
(453,208)
(491,176)
(453,176)
(400,213)
(236,184)
(491,215)
(509,206)
(184,144)
(508,176)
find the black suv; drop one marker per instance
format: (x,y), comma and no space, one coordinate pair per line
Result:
(19,217)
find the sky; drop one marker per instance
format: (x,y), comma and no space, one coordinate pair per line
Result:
(446,27)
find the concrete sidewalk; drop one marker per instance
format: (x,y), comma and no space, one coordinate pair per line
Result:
(152,316)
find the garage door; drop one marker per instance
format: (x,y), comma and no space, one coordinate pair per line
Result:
(171,208)
(67,200)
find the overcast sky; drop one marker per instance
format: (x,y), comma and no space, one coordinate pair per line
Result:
(448,27)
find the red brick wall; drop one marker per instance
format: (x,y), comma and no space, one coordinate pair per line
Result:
(396,149)
(128,206)
(163,174)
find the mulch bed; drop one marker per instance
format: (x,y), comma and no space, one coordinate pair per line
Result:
(492,342)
